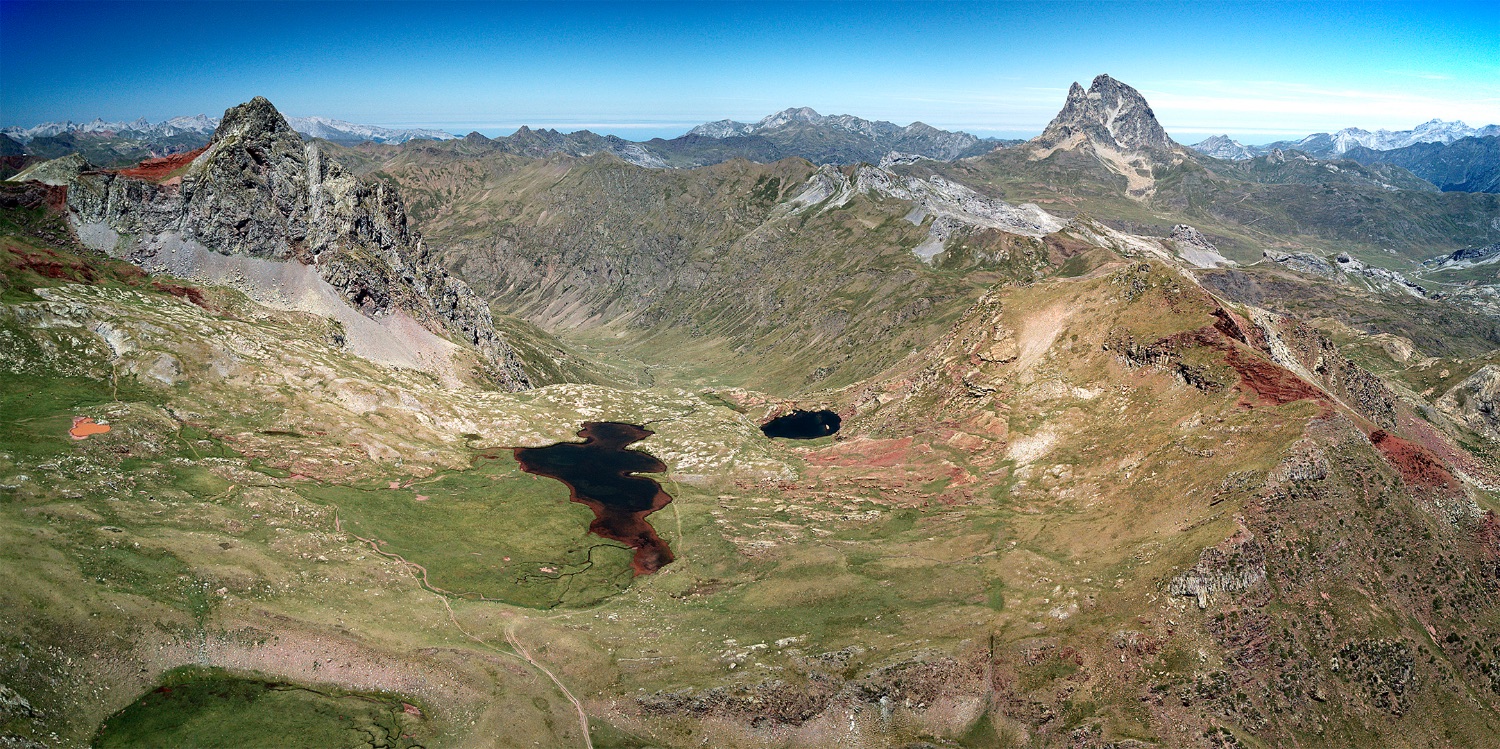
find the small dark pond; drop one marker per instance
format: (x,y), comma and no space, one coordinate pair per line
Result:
(802,425)
(602,475)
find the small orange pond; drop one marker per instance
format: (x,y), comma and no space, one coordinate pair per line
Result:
(84,426)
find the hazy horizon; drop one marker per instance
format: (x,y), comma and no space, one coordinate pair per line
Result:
(1256,72)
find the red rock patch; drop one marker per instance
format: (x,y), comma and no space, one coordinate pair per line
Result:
(1418,465)
(1271,383)
(156,170)
(191,293)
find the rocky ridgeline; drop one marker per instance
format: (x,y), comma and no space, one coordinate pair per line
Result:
(260,191)
(954,207)
(1346,268)
(875,136)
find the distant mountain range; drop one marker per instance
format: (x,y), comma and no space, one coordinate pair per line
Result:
(796,132)
(312,127)
(918,138)
(1336,144)
(1466,165)
(1451,155)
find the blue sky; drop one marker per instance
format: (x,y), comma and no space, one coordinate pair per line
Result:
(1254,70)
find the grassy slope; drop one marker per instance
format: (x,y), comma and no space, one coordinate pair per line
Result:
(210,709)
(689,274)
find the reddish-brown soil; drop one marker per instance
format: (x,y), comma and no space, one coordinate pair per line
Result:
(191,293)
(1263,382)
(84,427)
(1489,534)
(1422,432)
(49,264)
(862,451)
(33,195)
(156,170)
(899,470)
(1270,383)
(1419,467)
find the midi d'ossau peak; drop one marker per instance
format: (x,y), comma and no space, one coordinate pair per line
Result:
(1109,113)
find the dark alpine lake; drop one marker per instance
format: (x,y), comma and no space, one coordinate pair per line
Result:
(802,425)
(602,475)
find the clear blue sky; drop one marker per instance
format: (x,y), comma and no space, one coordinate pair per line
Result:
(1254,70)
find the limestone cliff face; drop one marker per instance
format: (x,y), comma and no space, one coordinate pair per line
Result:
(259,191)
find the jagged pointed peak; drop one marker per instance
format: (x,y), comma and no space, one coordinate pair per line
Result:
(1109,113)
(253,119)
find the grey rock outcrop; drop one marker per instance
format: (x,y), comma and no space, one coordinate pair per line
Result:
(1237,564)
(258,190)
(59,171)
(1302,262)
(1466,258)
(953,207)
(1475,401)
(1379,279)
(1195,248)
(1223,147)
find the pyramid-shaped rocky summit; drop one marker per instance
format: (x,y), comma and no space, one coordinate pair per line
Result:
(1110,114)
(259,191)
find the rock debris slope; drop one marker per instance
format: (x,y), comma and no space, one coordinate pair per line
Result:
(260,208)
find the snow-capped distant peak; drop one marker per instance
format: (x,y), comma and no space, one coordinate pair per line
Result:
(1431,131)
(331,129)
(788,116)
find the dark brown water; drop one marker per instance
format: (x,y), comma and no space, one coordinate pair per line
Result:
(601,474)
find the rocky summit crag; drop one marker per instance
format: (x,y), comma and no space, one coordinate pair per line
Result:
(257,190)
